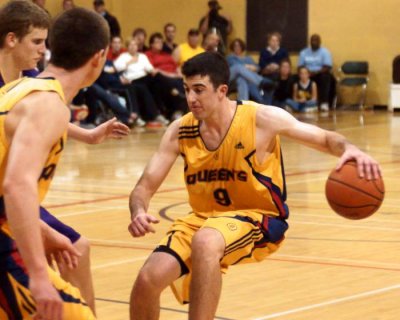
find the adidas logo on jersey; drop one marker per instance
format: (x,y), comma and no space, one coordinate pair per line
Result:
(239,146)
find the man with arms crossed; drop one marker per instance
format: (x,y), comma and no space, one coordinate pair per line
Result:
(235,180)
(23,31)
(34,119)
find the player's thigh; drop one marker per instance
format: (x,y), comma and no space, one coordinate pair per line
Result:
(178,241)
(245,240)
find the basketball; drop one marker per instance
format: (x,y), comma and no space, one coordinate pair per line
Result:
(352,197)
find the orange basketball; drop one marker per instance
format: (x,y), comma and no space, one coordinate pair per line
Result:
(352,197)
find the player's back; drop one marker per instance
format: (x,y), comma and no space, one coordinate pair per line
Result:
(10,95)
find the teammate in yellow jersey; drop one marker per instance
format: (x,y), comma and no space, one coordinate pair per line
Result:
(34,119)
(23,32)
(235,180)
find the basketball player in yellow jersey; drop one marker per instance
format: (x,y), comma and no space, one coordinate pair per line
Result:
(235,180)
(33,121)
(23,32)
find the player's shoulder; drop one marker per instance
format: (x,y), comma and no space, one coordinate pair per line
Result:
(43,103)
(270,117)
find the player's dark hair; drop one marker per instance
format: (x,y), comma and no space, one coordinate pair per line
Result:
(76,35)
(19,16)
(211,64)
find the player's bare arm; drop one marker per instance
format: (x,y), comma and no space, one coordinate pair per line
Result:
(45,123)
(151,179)
(272,121)
(111,129)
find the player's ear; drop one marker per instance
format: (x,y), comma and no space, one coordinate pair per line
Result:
(223,90)
(98,58)
(10,40)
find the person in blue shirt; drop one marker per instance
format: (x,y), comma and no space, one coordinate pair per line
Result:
(244,74)
(318,60)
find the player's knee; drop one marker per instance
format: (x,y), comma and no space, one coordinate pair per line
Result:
(147,280)
(208,242)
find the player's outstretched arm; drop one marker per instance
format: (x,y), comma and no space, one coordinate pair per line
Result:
(283,123)
(151,179)
(32,127)
(111,129)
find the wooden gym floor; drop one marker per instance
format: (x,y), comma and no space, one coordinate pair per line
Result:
(328,267)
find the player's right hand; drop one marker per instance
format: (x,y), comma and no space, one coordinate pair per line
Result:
(49,305)
(61,249)
(141,224)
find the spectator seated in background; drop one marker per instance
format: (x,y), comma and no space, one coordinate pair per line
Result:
(140,36)
(115,49)
(96,96)
(100,7)
(189,49)
(304,93)
(212,41)
(68,4)
(284,86)
(213,20)
(169,44)
(271,56)
(137,73)
(168,82)
(243,74)
(318,61)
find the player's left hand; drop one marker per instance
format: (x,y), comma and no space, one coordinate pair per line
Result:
(367,166)
(111,129)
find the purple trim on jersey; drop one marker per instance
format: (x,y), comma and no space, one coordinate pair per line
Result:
(32,73)
(57,225)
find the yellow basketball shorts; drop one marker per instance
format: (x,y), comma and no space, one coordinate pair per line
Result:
(16,301)
(249,237)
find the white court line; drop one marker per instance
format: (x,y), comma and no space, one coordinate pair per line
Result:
(335,217)
(329,302)
(337,225)
(142,245)
(84,212)
(357,262)
(116,263)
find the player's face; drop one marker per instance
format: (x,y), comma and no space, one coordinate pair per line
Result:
(202,98)
(29,50)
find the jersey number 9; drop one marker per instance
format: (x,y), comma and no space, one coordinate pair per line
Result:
(222,197)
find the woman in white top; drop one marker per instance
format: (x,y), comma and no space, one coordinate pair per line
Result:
(137,72)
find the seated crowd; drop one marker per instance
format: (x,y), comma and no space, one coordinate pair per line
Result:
(142,85)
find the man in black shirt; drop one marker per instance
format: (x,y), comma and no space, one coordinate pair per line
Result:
(100,8)
(213,19)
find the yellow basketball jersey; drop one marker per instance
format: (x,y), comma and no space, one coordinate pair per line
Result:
(230,177)
(10,95)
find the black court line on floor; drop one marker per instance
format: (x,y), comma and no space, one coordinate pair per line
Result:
(162,308)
